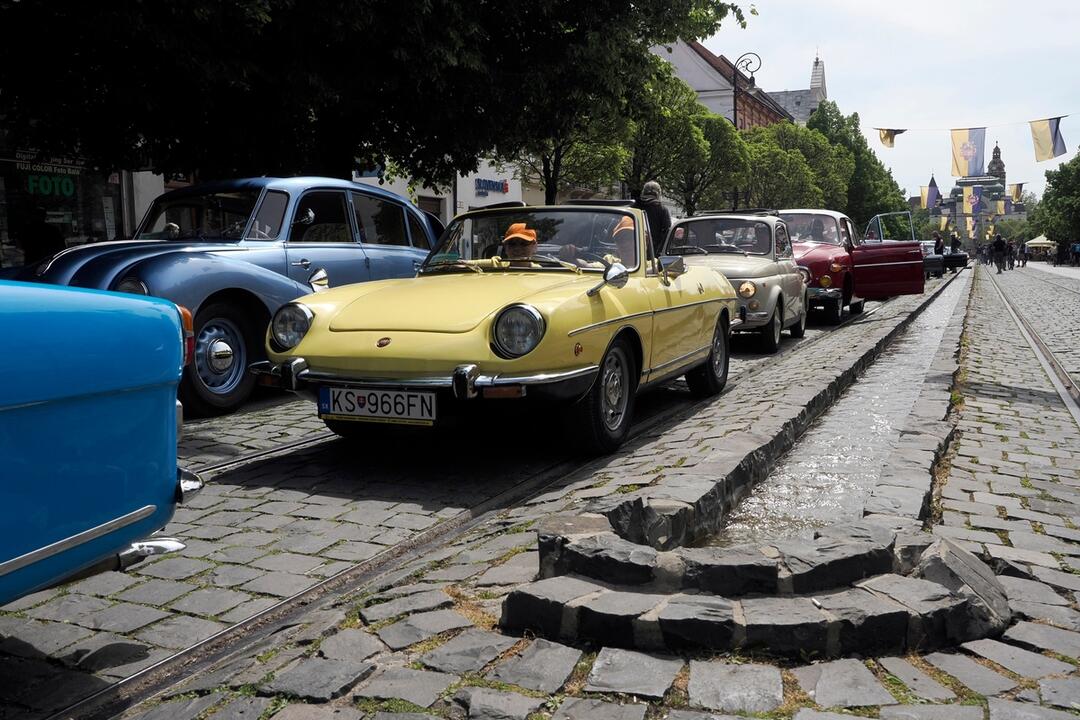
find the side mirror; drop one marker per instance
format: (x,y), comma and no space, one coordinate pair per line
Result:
(615,275)
(672,265)
(319,280)
(307,217)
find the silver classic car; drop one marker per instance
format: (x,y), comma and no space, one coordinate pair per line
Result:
(754,253)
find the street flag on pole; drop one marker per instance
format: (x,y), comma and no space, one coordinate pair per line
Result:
(1000,207)
(888,135)
(973,203)
(944,222)
(924,191)
(1016,192)
(1046,134)
(968,145)
(932,194)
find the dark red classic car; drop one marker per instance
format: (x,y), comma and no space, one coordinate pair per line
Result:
(847,267)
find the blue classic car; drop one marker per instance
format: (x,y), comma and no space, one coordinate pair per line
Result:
(233,252)
(88,428)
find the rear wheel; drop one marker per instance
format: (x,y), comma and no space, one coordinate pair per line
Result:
(217,380)
(798,330)
(601,419)
(709,378)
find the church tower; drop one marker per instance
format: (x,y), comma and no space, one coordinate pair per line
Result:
(817,81)
(996,166)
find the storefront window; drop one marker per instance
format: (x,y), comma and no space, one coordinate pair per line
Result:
(49,203)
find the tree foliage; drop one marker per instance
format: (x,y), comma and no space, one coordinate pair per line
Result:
(665,138)
(872,189)
(724,165)
(832,164)
(590,156)
(780,178)
(1057,215)
(279,86)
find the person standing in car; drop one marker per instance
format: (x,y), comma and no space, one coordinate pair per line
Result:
(658,216)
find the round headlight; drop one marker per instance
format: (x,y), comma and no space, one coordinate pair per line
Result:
(747,289)
(825,281)
(132,285)
(290,324)
(518,330)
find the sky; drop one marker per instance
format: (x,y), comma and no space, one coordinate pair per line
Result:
(928,66)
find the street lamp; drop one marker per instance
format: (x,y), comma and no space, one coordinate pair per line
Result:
(751,63)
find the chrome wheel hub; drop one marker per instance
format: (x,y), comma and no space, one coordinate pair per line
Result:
(614,397)
(718,356)
(220,356)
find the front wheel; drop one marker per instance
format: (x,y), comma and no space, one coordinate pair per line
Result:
(217,380)
(834,311)
(601,419)
(857,307)
(770,334)
(709,378)
(798,330)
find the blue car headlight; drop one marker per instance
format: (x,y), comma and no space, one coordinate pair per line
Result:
(132,285)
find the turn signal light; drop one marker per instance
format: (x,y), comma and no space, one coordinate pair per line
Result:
(189,334)
(836,267)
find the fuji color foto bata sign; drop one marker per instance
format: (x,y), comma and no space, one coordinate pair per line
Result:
(483,187)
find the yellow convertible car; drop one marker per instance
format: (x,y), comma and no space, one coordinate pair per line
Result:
(513,305)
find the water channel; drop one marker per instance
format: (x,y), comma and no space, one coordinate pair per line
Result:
(829,473)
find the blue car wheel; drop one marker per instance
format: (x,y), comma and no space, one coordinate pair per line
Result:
(217,379)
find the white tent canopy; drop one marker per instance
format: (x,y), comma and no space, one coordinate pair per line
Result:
(1040,242)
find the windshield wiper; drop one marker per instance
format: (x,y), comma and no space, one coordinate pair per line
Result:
(452,264)
(552,258)
(723,248)
(685,249)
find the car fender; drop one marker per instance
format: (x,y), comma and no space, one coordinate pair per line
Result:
(189,278)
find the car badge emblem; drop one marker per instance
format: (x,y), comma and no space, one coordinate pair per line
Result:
(383,342)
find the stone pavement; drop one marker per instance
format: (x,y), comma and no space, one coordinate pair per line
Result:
(1050,303)
(261,532)
(422,640)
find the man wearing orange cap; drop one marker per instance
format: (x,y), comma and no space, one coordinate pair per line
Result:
(625,240)
(519,244)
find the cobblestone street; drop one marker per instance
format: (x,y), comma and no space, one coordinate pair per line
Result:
(423,636)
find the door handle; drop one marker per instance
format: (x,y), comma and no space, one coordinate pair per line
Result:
(302,262)
(416,264)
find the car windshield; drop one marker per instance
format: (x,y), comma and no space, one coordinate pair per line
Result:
(522,238)
(812,227)
(720,235)
(203,216)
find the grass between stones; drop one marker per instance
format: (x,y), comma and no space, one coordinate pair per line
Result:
(469,608)
(370,706)
(966,695)
(794,697)
(678,695)
(276,705)
(580,675)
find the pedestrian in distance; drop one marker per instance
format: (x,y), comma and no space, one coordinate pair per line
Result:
(658,216)
(955,243)
(999,253)
(1010,255)
(939,244)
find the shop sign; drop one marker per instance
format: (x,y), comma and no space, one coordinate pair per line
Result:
(483,187)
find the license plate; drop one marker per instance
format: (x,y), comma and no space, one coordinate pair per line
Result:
(400,407)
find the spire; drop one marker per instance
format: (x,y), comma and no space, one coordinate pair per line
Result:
(817,78)
(996,166)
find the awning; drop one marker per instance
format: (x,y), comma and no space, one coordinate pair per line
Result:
(1041,242)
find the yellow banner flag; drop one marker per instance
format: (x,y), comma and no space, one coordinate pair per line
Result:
(999,207)
(944,222)
(888,136)
(923,192)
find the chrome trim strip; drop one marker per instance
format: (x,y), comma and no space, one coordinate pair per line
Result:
(898,262)
(624,318)
(447,382)
(602,323)
(10,566)
(681,358)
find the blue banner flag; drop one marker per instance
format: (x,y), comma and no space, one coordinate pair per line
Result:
(968,145)
(932,193)
(1046,134)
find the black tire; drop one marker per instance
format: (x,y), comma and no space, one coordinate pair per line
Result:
(857,307)
(203,389)
(709,378)
(834,311)
(798,330)
(769,336)
(601,420)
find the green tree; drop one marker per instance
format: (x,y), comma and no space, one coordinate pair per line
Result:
(665,139)
(725,164)
(591,155)
(280,86)
(780,178)
(1014,229)
(1057,215)
(832,164)
(872,188)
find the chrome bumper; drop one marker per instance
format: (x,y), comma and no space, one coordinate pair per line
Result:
(188,485)
(465,382)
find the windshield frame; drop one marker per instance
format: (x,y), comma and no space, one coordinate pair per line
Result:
(786,217)
(477,264)
(739,252)
(189,197)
